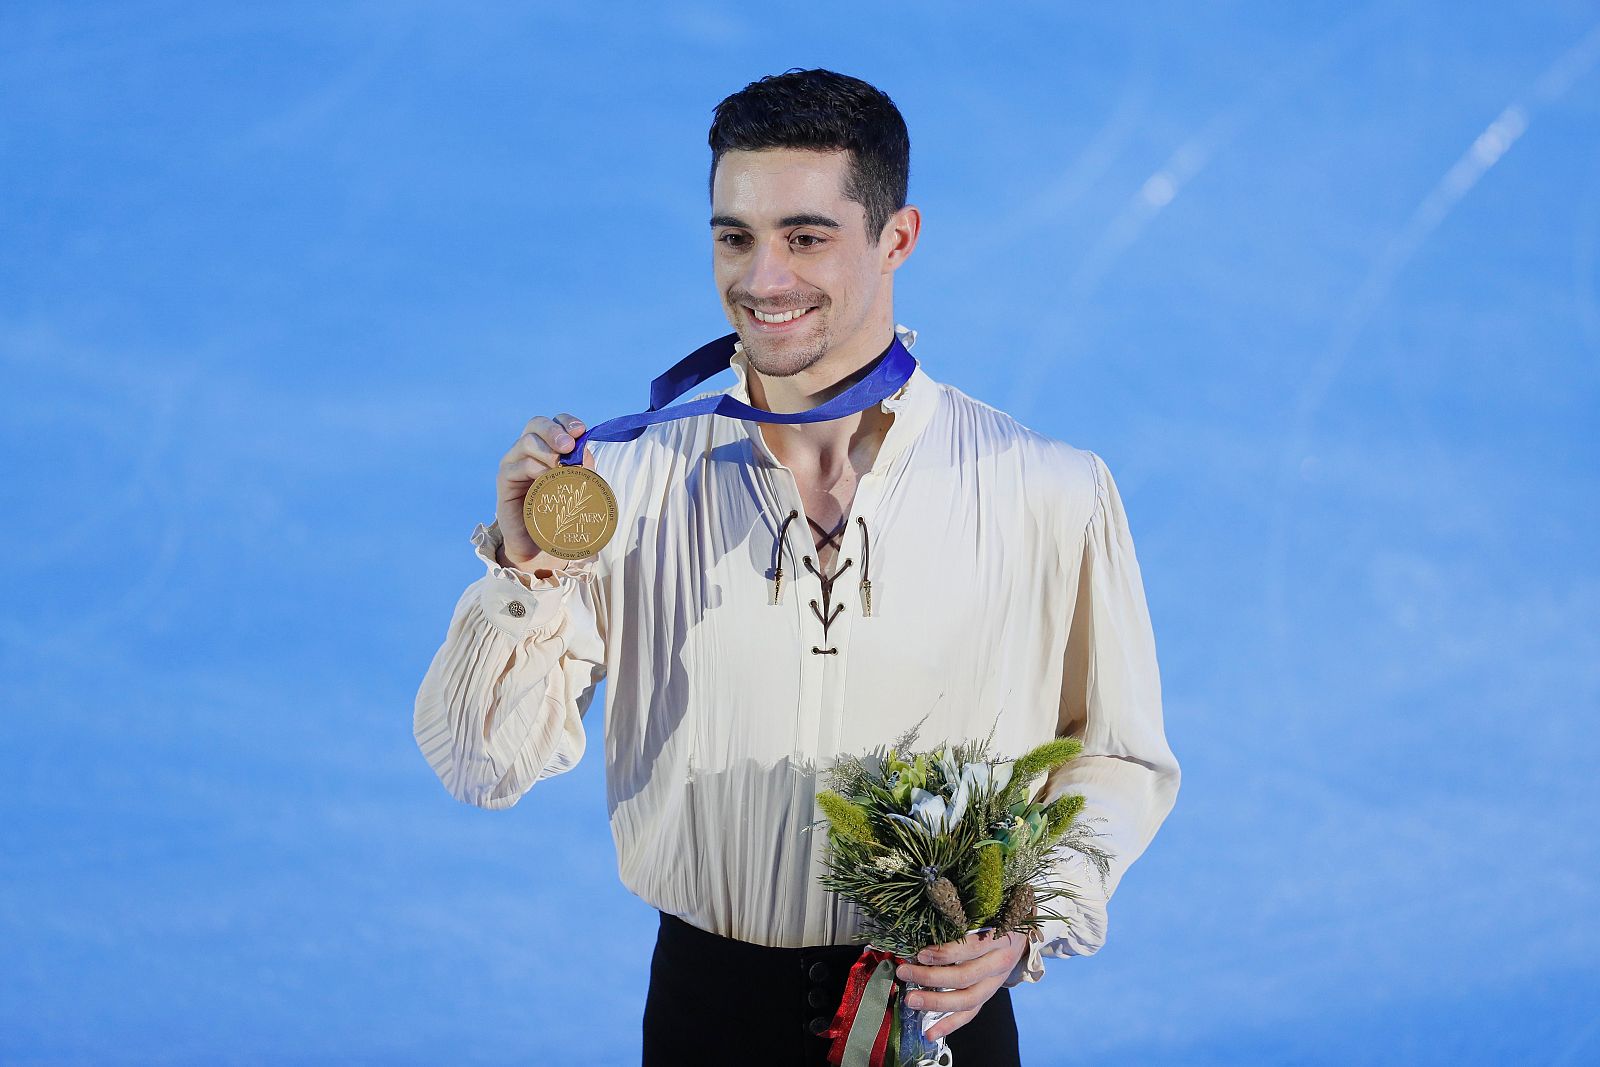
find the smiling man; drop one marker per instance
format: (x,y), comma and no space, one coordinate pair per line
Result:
(782,593)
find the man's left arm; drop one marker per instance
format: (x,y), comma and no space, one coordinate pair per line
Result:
(1111,701)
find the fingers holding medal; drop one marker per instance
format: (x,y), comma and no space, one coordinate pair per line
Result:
(568,510)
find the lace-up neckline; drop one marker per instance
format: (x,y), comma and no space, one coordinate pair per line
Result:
(828,609)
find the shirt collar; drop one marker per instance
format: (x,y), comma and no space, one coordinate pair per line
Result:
(912,404)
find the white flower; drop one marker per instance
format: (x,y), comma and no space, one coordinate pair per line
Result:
(930,809)
(930,812)
(958,804)
(1002,775)
(985,777)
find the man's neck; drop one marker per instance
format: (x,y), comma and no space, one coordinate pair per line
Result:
(825,449)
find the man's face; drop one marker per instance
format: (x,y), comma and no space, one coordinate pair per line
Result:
(785,239)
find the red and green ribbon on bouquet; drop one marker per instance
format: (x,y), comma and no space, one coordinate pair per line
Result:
(869,1029)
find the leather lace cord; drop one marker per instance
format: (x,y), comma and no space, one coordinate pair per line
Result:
(827,611)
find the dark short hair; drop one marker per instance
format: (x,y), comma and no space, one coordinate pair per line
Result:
(819,109)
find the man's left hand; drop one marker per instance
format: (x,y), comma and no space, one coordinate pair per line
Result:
(973,969)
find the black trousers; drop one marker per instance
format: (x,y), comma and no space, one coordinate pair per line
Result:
(771,1004)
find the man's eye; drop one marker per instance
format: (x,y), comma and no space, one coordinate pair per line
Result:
(732,240)
(811,240)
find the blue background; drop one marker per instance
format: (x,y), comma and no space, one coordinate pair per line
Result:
(280,283)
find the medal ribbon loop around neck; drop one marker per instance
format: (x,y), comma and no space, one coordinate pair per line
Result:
(891,371)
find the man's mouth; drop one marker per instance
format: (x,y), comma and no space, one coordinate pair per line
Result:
(770,320)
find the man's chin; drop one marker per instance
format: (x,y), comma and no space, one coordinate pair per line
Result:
(782,357)
(782,367)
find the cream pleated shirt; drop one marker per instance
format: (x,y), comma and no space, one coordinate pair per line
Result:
(1004,593)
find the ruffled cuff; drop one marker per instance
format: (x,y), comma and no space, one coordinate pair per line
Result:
(517,603)
(1030,965)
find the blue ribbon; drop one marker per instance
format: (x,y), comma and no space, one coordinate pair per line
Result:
(892,370)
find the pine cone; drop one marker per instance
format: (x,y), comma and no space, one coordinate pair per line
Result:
(943,893)
(1019,908)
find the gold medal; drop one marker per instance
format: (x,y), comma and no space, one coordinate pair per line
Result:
(570,511)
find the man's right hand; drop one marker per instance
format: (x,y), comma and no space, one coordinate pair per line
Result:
(542,442)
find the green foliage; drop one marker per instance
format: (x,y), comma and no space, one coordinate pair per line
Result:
(988,888)
(1041,760)
(1059,815)
(895,905)
(901,777)
(1079,837)
(849,775)
(846,819)
(1003,840)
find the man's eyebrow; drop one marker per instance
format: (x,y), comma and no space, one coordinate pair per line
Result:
(787,220)
(808,220)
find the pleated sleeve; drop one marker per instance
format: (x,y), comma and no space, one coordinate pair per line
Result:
(1111,701)
(502,704)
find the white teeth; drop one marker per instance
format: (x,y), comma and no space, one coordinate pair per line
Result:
(784,316)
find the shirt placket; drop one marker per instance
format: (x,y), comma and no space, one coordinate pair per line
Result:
(826,655)
(819,705)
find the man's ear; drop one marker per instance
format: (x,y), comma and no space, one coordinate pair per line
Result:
(899,237)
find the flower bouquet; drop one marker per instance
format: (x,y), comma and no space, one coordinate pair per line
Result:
(933,846)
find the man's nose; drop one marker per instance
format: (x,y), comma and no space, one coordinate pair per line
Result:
(768,270)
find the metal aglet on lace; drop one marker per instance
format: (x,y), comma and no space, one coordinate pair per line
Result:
(777,560)
(866,569)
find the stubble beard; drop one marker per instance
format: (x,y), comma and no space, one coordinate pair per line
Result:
(787,362)
(785,357)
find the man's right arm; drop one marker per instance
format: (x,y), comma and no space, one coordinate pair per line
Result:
(502,704)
